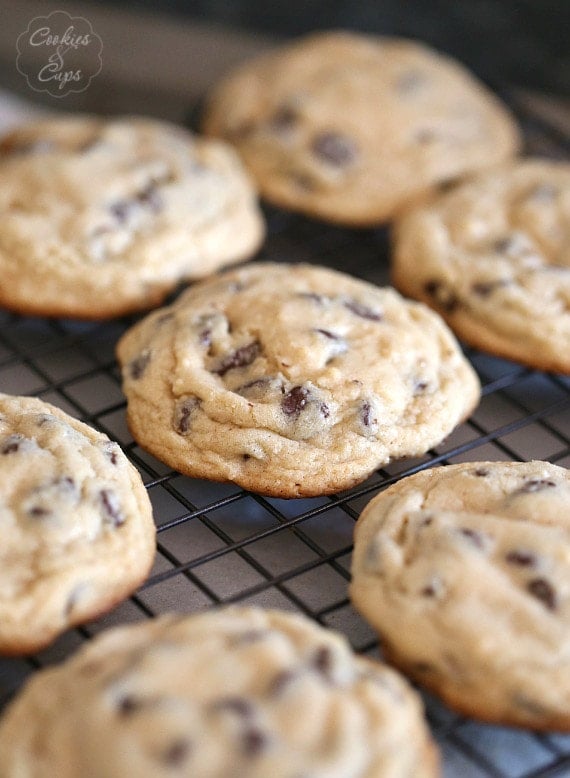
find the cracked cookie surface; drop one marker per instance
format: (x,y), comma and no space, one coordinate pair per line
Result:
(76,527)
(292,380)
(101,217)
(464,571)
(492,256)
(351,128)
(240,692)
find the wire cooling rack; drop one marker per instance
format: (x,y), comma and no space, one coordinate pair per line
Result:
(218,544)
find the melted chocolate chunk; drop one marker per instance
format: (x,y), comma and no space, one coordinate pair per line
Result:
(441,295)
(481,472)
(543,591)
(295,400)
(536,485)
(242,357)
(183,411)
(139,365)
(112,507)
(521,557)
(334,148)
(361,310)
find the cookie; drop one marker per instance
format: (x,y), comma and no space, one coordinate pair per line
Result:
(236,692)
(76,527)
(350,128)
(464,571)
(292,380)
(99,217)
(491,256)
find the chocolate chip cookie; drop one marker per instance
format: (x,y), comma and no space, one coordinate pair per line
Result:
(292,380)
(76,527)
(464,570)
(235,692)
(492,256)
(99,217)
(351,128)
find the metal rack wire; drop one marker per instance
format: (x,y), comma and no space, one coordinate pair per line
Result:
(219,544)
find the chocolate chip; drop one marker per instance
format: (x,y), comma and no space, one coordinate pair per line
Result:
(324,409)
(295,400)
(410,82)
(535,485)
(248,637)
(481,472)
(183,411)
(476,538)
(13,145)
(543,192)
(521,557)
(367,415)
(503,244)
(323,662)
(543,591)
(283,120)
(121,210)
(426,135)
(242,357)
(11,444)
(442,296)
(139,365)
(281,681)
(112,507)
(428,591)
(176,753)
(302,181)
(334,148)
(328,334)
(37,512)
(419,386)
(320,299)
(254,741)
(447,184)
(150,198)
(359,309)
(238,705)
(485,288)
(128,705)
(423,667)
